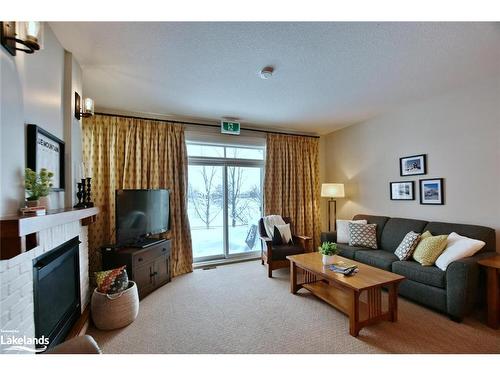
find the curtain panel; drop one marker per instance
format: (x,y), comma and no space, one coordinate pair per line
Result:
(291,186)
(129,153)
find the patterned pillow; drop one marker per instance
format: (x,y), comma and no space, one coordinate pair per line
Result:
(429,249)
(407,246)
(112,281)
(364,235)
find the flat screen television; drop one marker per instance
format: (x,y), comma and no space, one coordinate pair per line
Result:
(140,214)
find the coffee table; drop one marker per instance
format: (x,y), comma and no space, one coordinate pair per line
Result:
(345,293)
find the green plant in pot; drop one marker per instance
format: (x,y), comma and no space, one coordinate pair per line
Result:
(328,250)
(37,185)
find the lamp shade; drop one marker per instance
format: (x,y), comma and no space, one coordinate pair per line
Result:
(332,190)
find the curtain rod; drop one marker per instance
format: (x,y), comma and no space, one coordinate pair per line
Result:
(198,123)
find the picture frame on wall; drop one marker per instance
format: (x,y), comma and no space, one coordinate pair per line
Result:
(432,191)
(413,165)
(45,150)
(402,190)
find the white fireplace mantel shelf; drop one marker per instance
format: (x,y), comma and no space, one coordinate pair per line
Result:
(19,233)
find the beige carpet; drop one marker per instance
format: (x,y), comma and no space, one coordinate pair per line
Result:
(238,309)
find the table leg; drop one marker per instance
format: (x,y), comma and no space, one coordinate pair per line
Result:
(354,314)
(393,302)
(493,298)
(293,277)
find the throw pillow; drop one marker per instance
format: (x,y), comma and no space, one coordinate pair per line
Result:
(407,246)
(458,247)
(343,229)
(112,281)
(364,235)
(429,249)
(282,234)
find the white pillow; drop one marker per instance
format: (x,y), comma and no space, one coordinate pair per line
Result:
(458,247)
(343,229)
(286,233)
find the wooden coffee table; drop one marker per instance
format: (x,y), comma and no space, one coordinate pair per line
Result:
(345,293)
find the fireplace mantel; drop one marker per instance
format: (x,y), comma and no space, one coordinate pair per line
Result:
(19,233)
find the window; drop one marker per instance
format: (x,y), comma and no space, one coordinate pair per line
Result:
(224,199)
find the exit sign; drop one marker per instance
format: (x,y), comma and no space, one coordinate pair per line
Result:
(229,127)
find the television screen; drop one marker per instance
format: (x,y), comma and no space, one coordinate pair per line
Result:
(140,213)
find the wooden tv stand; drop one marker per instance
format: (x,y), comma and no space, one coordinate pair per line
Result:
(149,267)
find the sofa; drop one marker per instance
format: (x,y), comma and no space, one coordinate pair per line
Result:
(454,292)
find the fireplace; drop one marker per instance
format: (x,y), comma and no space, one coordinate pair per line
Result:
(56,288)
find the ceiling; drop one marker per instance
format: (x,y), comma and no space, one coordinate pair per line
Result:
(327,75)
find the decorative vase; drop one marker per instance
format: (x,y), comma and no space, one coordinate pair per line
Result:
(328,259)
(32,203)
(44,201)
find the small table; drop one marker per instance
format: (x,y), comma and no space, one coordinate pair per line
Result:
(492,265)
(343,292)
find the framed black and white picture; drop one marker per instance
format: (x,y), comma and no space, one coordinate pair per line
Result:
(412,165)
(45,150)
(402,190)
(432,191)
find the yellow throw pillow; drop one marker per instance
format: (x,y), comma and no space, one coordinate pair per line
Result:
(429,248)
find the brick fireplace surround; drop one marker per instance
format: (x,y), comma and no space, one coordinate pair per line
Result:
(16,279)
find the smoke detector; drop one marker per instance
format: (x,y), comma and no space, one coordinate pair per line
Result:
(267,72)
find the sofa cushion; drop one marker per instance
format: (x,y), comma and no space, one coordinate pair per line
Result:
(348,251)
(372,219)
(415,271)
(429,249)
(280,252)
(396,229)
(407,246)
(476,232)
(363,235)
(378,258)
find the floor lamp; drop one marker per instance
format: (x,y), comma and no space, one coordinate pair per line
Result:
(332,191)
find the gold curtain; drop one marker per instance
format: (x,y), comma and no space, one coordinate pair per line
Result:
(291,186)
(129,153)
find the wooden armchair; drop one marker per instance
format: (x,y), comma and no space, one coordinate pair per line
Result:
(275,256)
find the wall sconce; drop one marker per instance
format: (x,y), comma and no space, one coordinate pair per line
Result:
(88,107)
(29,34)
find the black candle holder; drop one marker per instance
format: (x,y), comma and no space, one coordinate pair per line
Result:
(79,195)
(89,203)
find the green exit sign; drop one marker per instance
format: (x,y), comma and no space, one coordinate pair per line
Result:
(230,127)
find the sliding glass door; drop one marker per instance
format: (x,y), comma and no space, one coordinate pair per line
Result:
(224,200)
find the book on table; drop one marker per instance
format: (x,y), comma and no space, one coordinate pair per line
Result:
(343,267)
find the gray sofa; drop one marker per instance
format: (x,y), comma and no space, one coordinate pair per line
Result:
(454,291)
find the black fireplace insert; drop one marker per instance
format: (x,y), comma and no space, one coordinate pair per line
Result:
(56,287)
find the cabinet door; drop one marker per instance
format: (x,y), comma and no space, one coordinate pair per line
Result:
(143,276)
(162,270)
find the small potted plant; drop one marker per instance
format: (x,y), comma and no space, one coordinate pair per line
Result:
(37,185)
(328,250)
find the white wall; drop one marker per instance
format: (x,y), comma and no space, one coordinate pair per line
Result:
(32,91)
(459,132)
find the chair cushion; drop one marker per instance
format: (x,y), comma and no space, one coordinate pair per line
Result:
(396,229)
(348,251)
(280,252)
(415,271)
(377,258)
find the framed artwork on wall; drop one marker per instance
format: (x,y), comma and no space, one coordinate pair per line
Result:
(402,190)
(432,191)
(413,165)
(44,150)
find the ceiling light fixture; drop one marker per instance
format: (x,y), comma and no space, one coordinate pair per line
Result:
(266,72)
